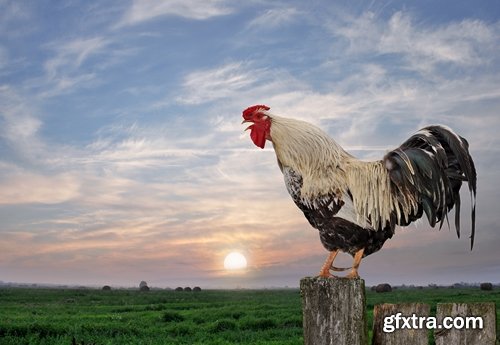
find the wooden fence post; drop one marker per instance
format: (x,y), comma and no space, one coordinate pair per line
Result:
(334,311)
(403,334)
(455,336)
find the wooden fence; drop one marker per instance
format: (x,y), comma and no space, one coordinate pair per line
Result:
(334,312)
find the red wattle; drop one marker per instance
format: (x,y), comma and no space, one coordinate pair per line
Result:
(259,133)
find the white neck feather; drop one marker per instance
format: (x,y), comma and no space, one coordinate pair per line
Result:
(311,152)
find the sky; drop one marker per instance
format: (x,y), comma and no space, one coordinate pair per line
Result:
(123,157)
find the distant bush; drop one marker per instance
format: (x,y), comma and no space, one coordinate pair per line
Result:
(486,286)
(383,288)
(187,288)
(144,288)
(197,289)
(170,316)
(106,288)
(179,289)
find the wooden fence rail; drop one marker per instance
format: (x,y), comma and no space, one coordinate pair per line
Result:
(334,312)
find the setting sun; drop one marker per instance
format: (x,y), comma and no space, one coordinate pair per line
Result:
(235,261)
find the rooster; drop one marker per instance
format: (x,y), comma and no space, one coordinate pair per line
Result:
(356,205)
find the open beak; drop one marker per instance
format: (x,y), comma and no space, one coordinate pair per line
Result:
(249,127)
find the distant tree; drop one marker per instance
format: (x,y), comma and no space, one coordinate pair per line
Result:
(143,283)
(383,288)
(144,288)
(187,288)
(179,289)
(197,289)
(106,288)
(486,286)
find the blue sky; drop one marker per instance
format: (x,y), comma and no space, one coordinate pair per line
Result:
(122,157)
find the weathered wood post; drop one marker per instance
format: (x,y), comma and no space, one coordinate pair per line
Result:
(459,335)
(395,331)
(334,311)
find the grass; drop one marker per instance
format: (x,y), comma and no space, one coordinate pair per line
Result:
(54,316)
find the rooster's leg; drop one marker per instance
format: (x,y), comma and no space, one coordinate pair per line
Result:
(325,270)
(357,260)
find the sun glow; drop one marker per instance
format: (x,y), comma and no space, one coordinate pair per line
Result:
(235,261)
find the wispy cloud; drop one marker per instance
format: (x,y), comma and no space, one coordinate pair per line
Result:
(20,125)
(145,10)
(220,82)
(458,43)
(274,18)
(64,71)
(27,188)
(73,53)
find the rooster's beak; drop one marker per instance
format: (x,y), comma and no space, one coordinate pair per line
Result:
(246,121)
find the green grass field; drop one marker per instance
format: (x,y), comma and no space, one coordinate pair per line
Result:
(54,316)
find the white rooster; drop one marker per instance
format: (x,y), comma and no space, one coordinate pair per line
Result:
(356,205)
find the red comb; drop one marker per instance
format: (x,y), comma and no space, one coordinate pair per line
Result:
(248,112)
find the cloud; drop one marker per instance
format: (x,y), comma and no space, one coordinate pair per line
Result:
(457,43)
(273,18)
(25,187)
(145,10)
(69,56)
(75,52)
(220,82)
(19,124)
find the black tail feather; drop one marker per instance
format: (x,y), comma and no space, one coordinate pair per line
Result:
(457,212)
(431,166)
